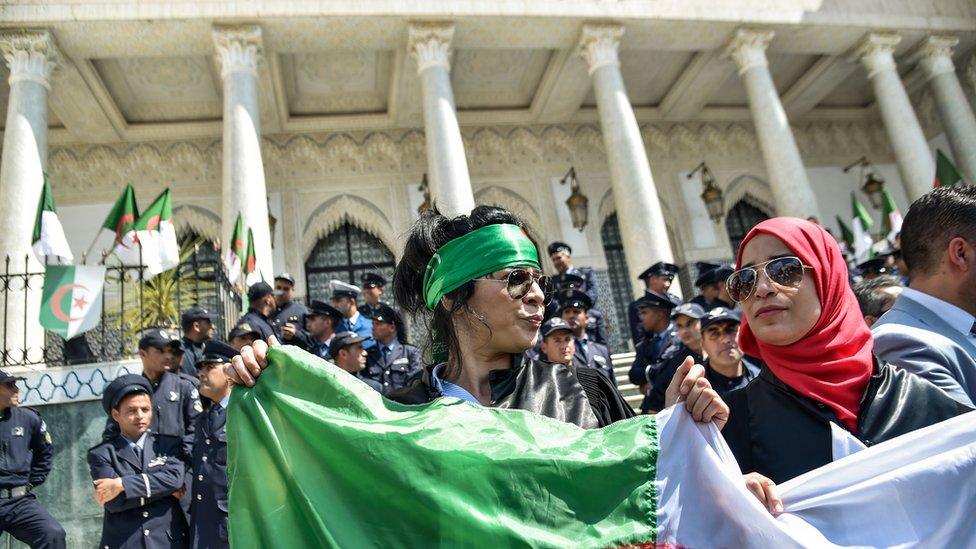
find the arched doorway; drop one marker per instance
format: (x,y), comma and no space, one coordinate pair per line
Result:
(621,293)
(345,254)
(742,217)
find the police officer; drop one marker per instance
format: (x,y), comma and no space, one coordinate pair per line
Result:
(197,325)
(596,325)
(208,522)
(557,345)
(713,285)
(657,279)
(138,474)
(655,318)
(242,335)
(873,268)
(589,354)
(390,363)
(562,259)
(347,353)
(261,307)
(373,284)
(26,455)
(344,298)
(322,321)
(687,325)
(176,402)
(288,320)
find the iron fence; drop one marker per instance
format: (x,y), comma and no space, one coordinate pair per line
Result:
(131,301)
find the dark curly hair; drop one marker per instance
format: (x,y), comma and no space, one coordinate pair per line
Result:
(427,235)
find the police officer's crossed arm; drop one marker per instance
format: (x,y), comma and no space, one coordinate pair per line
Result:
(42,451)
(192,408)
(116,493)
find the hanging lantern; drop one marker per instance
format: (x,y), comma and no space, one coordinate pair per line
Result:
(711,195)
(577,202)
(873,185)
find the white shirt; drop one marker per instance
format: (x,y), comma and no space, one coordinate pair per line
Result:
(954,316)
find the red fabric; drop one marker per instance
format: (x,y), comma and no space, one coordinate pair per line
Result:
(834,361)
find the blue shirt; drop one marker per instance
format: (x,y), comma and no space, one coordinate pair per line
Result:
(138,445)
(449,389)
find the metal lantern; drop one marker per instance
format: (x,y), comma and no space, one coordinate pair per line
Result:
(873,185)
(577,202)
(711,195)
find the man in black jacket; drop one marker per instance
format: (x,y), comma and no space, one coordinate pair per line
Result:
(197,327)
(288,319)
(261,307)
(588,354)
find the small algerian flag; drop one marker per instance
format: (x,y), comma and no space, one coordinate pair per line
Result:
(118,234)
(890,217)
(946,174)
(71,302)
(316,459)
(157,236)
(251,272)
(234,259)
(860,225)
(48,236)
(845,232)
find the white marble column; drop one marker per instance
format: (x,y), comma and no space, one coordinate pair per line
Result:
(950,100)
(238,52)
(31,57)
(915,163)
(792,193)
(644,234)
(447,168)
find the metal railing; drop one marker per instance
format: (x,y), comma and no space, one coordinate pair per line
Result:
(131,301)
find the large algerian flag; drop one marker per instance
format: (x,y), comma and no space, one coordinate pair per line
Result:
(118,234)
(946,174)
(71,302)
(234,258)
(316,458)
(157,236)
(891,219)
(48,238)
(860,230)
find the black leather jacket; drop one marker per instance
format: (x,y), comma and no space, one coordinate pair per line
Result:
(778,433)
(581,396)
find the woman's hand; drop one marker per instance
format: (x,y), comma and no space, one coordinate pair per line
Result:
(690,386)
(765,490)
(246,367)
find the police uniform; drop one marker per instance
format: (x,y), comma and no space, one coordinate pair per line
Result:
(146,514)
(596,326)
(321,308)
(650,349)
(589,353)
(671,359)
(588,275)
(26,455)
(257,321)
(660,268)
(191,349)
(710,273)
(358,323)
(292,312)
(375,280)
(344,339)
(395,365)
(208,523)
(873,268)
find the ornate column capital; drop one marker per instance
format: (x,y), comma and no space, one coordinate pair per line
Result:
(877,52)
(238,47)
(30,55)
(748,48)
(430,44)
(935,54)
(599,43)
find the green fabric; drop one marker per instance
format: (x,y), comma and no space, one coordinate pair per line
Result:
(845,231)
(237,239)
(480,252)
(889,211)
(318,459)
(946,174)
(122,218)
(860,213)
(160,210)
(46,204)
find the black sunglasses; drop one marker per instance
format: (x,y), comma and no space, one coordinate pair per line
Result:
(519,282)
(782,271)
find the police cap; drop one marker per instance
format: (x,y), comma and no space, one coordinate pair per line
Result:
(121,387)
(660,269)
(344,339)
(574,299)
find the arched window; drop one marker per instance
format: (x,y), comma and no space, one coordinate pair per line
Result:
(345,254)
(740,219)
(620,290)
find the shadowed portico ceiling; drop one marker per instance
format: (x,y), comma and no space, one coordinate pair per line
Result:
(148,78)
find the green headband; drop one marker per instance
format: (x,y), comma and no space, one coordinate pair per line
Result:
(480,252)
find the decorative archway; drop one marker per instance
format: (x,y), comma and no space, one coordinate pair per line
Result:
(494,195)
(742,217)
(345,254)
(197,220)
(339,210)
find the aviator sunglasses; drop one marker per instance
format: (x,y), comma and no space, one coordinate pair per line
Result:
(782,271)
(519,282)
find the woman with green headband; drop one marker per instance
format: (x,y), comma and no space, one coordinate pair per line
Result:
(480,278)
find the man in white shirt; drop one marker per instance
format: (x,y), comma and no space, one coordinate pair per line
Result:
(931,329)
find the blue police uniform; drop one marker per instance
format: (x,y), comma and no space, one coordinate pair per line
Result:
(648,356)
(146,514)
(26,455)
(590,354)
(361,325)
(589,285)
(208,525)
(392,366)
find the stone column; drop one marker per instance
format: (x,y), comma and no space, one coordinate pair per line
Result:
(31,57)
(644,234)
(792,193)
(450,184)
(238,52)
(954,110)
(915,163)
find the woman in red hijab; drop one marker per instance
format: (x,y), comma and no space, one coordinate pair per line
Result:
(801,318)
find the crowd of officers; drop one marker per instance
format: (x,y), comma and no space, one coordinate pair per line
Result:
(160,470)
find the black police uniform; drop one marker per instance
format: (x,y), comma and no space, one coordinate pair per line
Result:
(146,514)
(596,325)
(671,360)
(209,508)
(192,351)
(637,332)
(293,312)
(258,323)
(590,354)
(26,454)
(650,349)
(393,369)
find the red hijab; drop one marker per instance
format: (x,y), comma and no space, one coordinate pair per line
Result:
(833,361)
